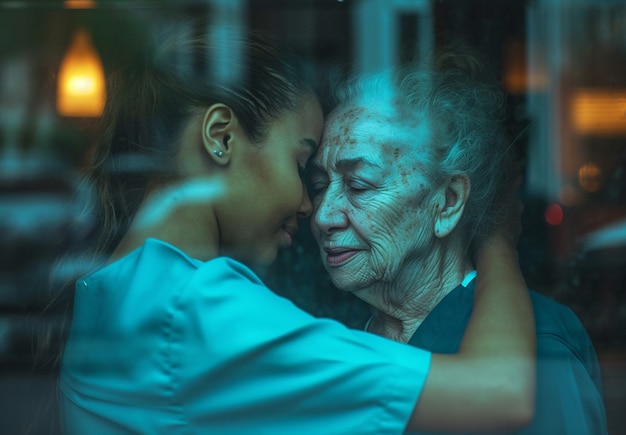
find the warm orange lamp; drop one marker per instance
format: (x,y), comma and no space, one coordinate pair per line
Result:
(81,91)
(600,111)
(79,4)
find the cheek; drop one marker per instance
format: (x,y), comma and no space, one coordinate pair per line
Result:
(387,245)
(287,188)
(396,228)
(379,227)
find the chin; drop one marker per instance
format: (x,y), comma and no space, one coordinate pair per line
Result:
(266,258)
(258,259)
(345,283)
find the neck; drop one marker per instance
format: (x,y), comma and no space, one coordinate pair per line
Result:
(401,305)
(177,216)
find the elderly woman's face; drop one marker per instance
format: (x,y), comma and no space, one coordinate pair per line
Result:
(369,196)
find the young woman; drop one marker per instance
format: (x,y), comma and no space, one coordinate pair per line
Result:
(198,179)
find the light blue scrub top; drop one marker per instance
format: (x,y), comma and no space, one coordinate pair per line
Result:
(162,343)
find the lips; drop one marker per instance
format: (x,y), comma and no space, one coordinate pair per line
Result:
(339,256)
(289,232)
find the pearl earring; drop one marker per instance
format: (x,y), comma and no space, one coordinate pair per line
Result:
(218,153)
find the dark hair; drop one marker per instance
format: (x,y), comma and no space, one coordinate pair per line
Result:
(465,108)
(149,101)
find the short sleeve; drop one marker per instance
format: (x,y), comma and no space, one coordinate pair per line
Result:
(246,360)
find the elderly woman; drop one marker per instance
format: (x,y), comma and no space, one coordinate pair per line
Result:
(405,184)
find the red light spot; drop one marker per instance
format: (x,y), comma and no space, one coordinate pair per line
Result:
(554,214)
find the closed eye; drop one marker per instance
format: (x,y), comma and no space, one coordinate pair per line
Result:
(301,171)
(317,186)
(317,190)
(305,176)
(357,186)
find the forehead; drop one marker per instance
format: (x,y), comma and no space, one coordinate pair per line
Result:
(376,131)
(306,121)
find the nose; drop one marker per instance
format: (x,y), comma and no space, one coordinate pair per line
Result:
(306,207)
(328,215)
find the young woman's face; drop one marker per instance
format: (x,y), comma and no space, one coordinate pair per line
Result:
(267,187)
(370,196)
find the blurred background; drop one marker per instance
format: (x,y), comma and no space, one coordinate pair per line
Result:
(562,63)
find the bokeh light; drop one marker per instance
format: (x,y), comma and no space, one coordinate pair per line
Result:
(554,214)
(589,177)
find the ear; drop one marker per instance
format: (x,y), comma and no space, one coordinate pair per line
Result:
(219,127)
(450,204)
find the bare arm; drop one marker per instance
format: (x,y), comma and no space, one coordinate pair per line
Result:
(490,384)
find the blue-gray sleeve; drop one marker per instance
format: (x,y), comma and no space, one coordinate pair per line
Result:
(568,399)
(569,390)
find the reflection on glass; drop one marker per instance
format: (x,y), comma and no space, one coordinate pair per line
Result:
(81,89)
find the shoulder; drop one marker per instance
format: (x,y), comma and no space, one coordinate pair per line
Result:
(224,271)
(170,268)
(561,337)
(569,382)
(555,319)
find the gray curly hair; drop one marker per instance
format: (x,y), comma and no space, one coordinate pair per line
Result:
(465,109)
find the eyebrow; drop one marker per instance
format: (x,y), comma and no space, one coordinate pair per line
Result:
(345,165)
(348,164)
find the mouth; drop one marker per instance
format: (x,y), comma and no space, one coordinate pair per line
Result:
(338,256)
(289,232)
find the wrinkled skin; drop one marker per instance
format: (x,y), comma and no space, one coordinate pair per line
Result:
(375,213)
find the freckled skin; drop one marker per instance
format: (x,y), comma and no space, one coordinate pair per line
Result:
(384,212)
(387,221)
